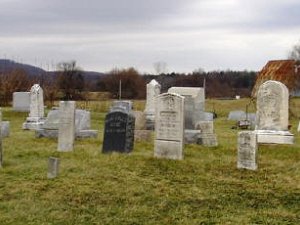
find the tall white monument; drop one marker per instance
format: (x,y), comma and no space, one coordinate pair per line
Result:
(36,115)
(153,90)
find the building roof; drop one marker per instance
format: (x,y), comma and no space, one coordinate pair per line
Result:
(285,71)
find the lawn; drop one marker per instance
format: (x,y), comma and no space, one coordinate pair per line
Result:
(96,188)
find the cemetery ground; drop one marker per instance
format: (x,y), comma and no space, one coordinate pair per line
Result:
(95,188)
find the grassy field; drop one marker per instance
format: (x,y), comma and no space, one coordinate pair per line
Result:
(96,188)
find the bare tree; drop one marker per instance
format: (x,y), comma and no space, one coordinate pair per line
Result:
(70,80)
(295,52)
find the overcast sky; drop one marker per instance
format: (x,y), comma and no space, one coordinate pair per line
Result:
(185,34)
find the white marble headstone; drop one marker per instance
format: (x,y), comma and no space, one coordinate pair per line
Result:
(66,130)
(21,101)
(273,113)
(169,126)
(247,150)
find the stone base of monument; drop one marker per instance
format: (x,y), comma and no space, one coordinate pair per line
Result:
(143,135)
(274,137)
(168,149)
(33,123)
(39,133)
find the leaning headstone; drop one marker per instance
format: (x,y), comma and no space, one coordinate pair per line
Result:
(36,116)
(66,130)
(169,126)
(53,167)
(21,101)
(272,114)
(153,90)
(247,150)
(118,132)
(1,150)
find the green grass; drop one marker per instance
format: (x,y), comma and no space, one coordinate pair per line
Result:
(96,188)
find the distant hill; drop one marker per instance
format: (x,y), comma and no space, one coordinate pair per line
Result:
(7,66)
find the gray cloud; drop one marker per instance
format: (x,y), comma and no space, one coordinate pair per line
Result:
(187,34)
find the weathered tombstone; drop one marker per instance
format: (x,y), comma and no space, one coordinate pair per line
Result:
(247,150)
(5,128)
(153,90)
(272,114)
(66,130)
(194,104)
(169,126)
(208,137)
(21,101)
(36,114)
(82,125)
(140,132)
(53,167)
(1,150)
(118,132)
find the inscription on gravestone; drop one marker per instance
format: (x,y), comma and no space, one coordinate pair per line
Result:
(118,132)
(169,126)
(247,150)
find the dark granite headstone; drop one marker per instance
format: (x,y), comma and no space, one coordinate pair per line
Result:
(118,132)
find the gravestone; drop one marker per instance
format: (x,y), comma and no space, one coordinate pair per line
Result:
(140,132)
(247,150)
(36,114)
(21,101)
(1,150)
(5,128)
(118,132)
(121,105)
(82,125)
(194,104)
(66,130)
(272,114)
(153,90)
(169,126)
(53,167)
(207,137)
(208,116)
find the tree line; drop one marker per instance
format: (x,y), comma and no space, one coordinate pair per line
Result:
(69,83)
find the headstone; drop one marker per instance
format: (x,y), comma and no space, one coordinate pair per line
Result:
(143,135)
(121,105)
(82,125)
(208,116)
(237,115)
(5,128)
(66,130)
(118,132)
(247,150)
(53,167)
(21,101)
(36,114)
(208,137)
(1,150)
(194,104)
(153,90)
(169,126)
(140,120)
(272,114)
